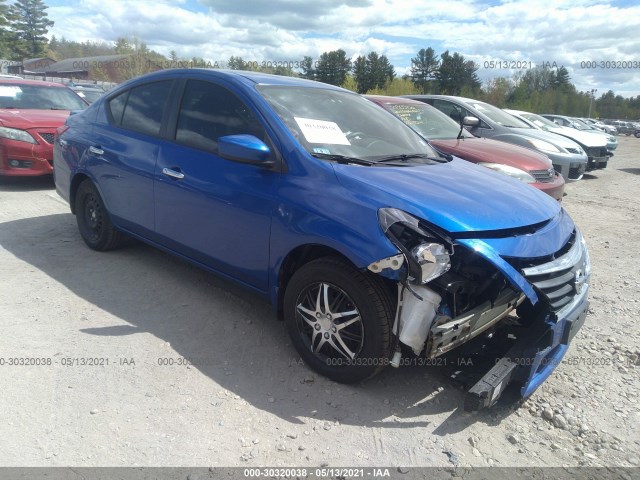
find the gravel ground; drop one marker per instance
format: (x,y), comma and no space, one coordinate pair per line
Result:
(111,330)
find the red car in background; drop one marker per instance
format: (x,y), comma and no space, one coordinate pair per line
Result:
(30,113)
(447,136)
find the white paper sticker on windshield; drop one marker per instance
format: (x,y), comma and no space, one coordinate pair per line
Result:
(9,90)
(81,94)
(321,131)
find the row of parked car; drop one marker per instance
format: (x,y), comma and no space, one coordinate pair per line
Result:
(372,239)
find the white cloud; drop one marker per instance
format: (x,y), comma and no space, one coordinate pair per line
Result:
(565,32)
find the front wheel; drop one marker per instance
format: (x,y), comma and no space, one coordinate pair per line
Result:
(94,223)
(339,319)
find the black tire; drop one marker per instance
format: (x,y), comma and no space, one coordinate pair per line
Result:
(94,223)
(366,335)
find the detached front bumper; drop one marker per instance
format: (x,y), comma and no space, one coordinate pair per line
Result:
(533,358)
(563,286)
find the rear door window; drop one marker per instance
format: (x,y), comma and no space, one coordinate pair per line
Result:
(143,108)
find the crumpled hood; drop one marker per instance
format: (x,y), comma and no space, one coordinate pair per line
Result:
(26,119)
(457,196)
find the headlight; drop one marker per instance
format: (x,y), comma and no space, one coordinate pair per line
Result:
(542,145)
(511,171)
(427,254)
(15,134)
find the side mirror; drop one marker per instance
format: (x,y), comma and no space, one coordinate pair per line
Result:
(244,149)
(470,122)
(556,122)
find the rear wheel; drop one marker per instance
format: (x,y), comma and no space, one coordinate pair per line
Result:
(339,319)
(94,223)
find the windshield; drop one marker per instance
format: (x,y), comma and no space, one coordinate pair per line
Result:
(331,122)
(428,121)
(89,95)
(498,116)
(539,121)
(580,125)
(38,97)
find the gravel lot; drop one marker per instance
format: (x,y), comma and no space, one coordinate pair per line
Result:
(249,401)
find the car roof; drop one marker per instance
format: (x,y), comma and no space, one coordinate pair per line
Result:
(253,78)
(517,112)
(389,99)
(22,81)
(449,97)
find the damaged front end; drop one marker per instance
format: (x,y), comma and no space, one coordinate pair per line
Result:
(452,289)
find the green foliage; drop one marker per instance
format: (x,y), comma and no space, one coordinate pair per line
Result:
(350,84)
(397,86)
(423,69)
(29,24)
(4,29)
(63,48)
(455,74)
(371,72)
(308,71)
(549,90)
(333,67)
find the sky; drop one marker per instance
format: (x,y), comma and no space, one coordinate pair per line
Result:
(598,41)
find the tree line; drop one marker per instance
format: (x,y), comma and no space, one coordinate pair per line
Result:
(24,25)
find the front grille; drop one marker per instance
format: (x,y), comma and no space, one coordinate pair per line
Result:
(576,170)
(48,137)
(597,152)
(564,277)
(543,176)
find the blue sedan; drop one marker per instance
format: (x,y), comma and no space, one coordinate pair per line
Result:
(372,246)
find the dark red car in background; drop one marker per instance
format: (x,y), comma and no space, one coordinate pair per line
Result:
(30,113)
(447,136)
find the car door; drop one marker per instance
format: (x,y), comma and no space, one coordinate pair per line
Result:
(213,210)
(124,152)
(456,112)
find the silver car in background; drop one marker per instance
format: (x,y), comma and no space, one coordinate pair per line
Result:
(594,144)
(572,122)
(601,125)
(568,158)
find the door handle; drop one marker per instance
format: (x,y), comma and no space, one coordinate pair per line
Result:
(173,174)
(96,150)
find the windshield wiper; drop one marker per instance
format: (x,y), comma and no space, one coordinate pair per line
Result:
(404,157)
(343,159)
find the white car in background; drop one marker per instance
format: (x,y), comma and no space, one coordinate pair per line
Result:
(594,144)
(601,126)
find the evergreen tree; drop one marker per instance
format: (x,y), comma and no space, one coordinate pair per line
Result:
(424,67)
(372,72)
(236,63)
(30,24)
(4,29)
(308,71)
(333,67)
(456,73)
(363,82)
